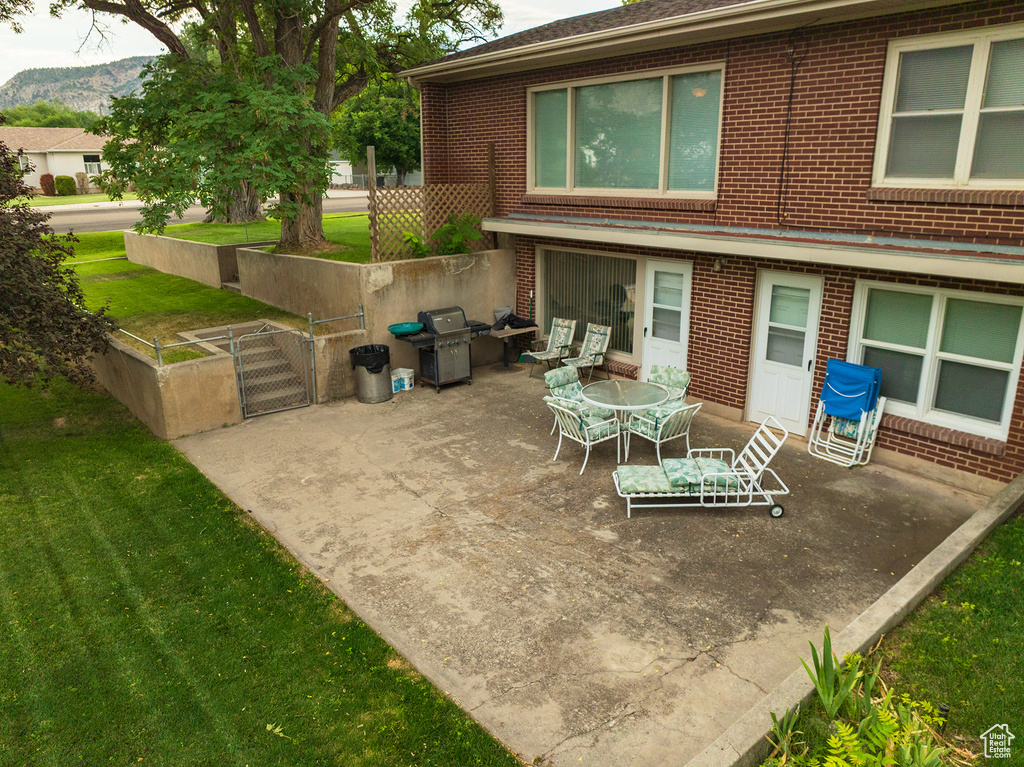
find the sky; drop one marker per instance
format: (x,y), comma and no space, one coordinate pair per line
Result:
(48,42)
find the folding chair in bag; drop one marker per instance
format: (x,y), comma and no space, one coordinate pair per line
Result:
(591,354)
(849,411)
(559,344)
(710,477)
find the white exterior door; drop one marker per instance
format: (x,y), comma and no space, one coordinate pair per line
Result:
(785,340)
(666,328)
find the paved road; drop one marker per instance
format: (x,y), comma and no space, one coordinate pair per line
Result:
(107,216)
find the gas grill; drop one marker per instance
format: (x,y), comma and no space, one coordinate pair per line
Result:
(444,345)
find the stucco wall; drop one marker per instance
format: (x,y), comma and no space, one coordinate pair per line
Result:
(209,264)
(390,292)
(174,400)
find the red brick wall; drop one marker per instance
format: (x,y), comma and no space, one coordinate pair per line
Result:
(826,186)
(721,332)
(832,134)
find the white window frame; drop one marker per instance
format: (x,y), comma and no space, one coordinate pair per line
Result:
(982,40)
(666,87)
(23,162)
(932,356)
(93,168)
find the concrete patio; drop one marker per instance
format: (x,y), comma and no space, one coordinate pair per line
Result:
(521,590)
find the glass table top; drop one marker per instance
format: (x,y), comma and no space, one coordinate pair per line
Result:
(624,395)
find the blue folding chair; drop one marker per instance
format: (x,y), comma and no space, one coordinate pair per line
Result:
(849,411)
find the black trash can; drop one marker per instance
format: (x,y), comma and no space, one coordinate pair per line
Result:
(372,364)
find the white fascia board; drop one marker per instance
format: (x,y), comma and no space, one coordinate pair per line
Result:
(757,17)
(966,267)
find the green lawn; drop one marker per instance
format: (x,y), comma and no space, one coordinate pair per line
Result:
(147,620)
(149,303)
(350,233)
(41,201)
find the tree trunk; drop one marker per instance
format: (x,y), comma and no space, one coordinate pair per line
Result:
(244,208)
(307,229)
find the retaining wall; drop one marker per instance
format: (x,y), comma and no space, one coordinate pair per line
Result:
(209,264)
(173,400)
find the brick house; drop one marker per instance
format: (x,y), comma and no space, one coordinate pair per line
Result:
(748,189)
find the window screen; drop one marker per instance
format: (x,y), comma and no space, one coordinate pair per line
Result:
(693,133)
(549,131)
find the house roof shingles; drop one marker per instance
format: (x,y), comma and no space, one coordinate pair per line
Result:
(50,139)
(599,21)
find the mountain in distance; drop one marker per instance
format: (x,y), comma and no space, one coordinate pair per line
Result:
(81,88)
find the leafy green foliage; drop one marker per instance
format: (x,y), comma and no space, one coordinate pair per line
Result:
(454,236)
(832,680)
(386,116)
(64,185)
(863,730)
(198,131)
(54,114)
(45,330)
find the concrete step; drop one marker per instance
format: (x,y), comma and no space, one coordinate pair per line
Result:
(284,380)
(257,369)
(234,287)
(275,400)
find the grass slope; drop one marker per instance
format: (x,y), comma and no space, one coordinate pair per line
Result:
(146,619)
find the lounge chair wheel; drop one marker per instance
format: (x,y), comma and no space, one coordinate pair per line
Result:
(776,511)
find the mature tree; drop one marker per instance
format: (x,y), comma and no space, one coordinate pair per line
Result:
(45,329)
(385,115)
(11,9)
(54,114)
(326,52)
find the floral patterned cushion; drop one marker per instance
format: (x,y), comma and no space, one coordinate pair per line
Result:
(844,427)
(580,407)
(657,415)
(685,474)
(675,380)
(643,479)
(561,377)
(598,428)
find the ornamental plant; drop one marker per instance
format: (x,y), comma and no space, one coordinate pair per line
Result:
(46,183)
(868,724)
(65,186)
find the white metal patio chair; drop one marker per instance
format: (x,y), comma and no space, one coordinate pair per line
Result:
(661,424)
(591,353)
(676,380)
(565,389)
(588,430)
(711,477)
(559,344)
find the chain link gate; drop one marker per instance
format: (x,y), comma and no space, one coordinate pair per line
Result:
(273,371)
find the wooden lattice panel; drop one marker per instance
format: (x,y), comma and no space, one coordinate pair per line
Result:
(395,211)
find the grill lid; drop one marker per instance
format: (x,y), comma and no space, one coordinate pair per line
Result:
(443,320)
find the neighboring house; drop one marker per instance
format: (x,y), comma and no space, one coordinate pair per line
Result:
(59,151)
(749,189)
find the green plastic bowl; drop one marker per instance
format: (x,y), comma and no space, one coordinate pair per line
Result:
(405,328)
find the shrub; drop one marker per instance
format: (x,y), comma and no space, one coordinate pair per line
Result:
(82,182)
(65,186)
(46,182)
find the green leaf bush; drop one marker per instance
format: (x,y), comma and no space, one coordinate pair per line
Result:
(65,186)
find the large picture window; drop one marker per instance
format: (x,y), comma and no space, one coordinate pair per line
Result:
(643,135)
(953,111)
(590,288)
(948,357)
